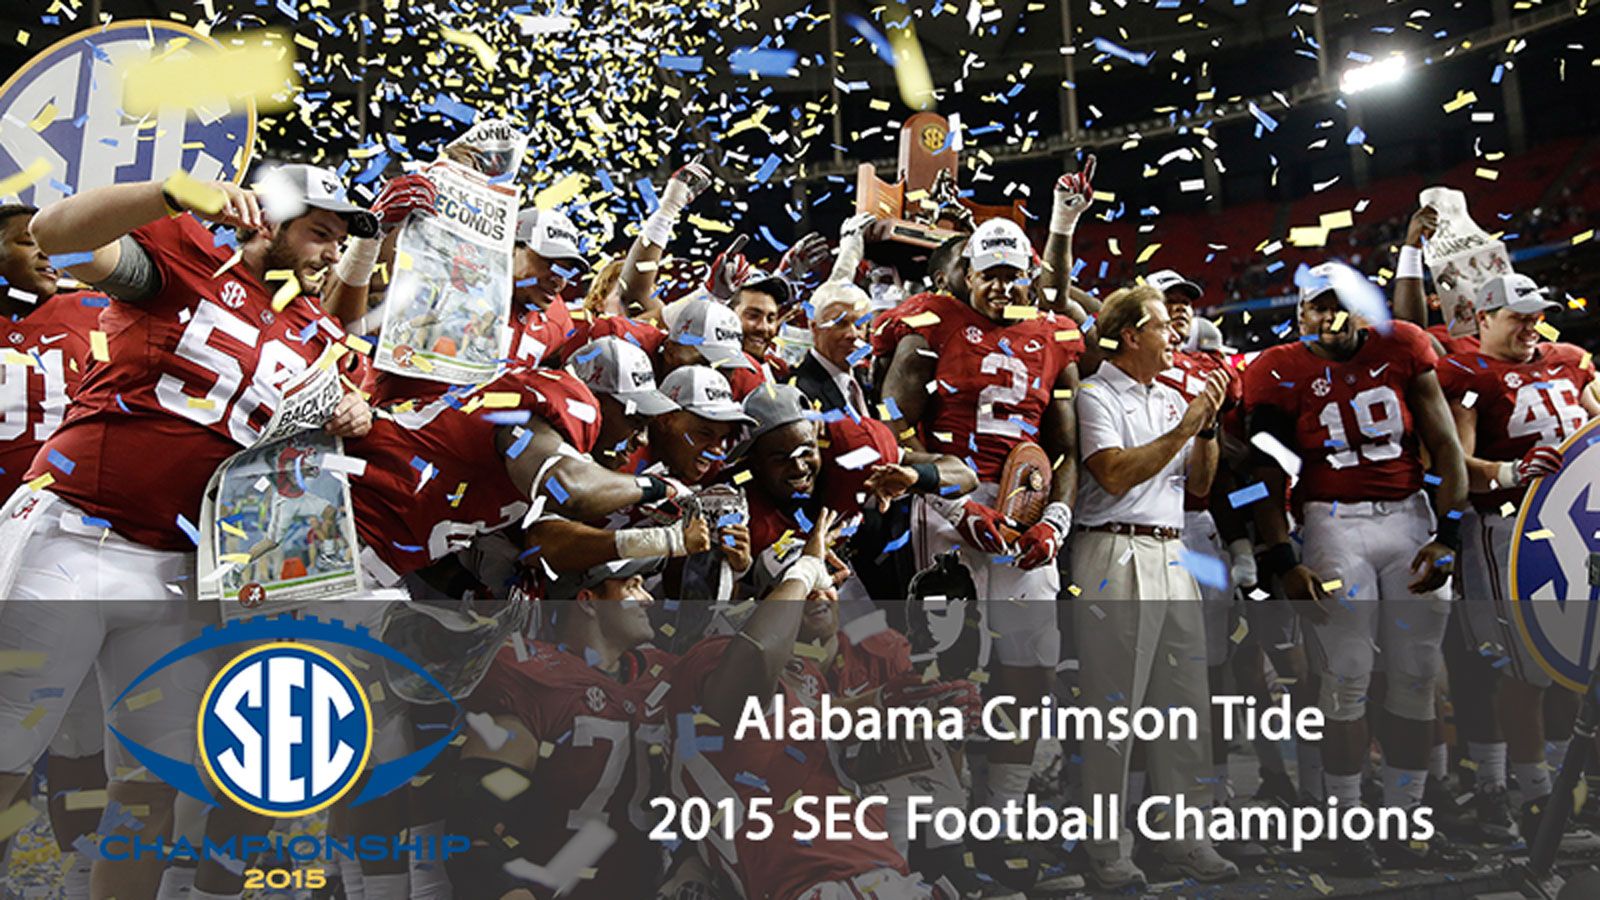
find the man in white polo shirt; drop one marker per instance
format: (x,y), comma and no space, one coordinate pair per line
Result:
(1141,634)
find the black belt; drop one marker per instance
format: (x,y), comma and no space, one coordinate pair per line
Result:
(1161,532)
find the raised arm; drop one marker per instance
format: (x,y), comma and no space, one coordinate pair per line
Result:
(1073,194)
(756,658)
(1410,300)
(639,270)
(574,487)
(347,287)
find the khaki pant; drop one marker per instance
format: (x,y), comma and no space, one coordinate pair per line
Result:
(1141,640)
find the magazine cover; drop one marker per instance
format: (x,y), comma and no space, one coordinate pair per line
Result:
(278,525)
(444,318)
(1461,256)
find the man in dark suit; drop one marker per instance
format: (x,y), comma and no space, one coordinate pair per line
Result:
(833,371)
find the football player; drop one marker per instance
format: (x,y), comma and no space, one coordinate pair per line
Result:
(1356,404)
(198,351)
(979,378)
(558,737)
(1515,401)
(710,689)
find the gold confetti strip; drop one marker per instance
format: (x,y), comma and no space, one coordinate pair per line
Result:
(20,660)
(140,701)
(505,783)
(258,66)
(16,818)
(86,800)
(36,171)
(206,199)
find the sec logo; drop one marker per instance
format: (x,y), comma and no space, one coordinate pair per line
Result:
(1558,530)
(285,729)
(88,141)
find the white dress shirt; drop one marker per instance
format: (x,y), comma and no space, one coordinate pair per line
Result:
(844,381)
(1115,411)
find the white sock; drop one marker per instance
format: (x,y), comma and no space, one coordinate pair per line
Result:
(1402,788)
(1439,762)
(1555,754)
(350,874)
(387,887)
(75,869)
(1007,781)
(1533,778)
(1345,789)
(1491,762)
(1221,790)
(429,881)
(1311,773)
(197,894)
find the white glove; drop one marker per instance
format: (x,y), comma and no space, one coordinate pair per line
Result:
(1073,194)
(1244,563)
(852,246)
(683,187)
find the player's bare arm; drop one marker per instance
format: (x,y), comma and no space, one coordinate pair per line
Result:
(1437,429)
(347,286)
(1300,583)
(1072,196)
(569,546)
(1410,301)
(754,659)
(574,487)
(1203,455)
(641,267)
(907,385)
(95,220)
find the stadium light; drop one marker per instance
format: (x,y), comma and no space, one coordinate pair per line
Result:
(1382,73)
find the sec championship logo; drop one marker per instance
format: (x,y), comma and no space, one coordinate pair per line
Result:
(62,113)
(285,729)
(1557,531)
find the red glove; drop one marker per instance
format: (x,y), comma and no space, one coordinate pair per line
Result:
(980,527)
(403,196)
(1537,463)
(908,689)
(808,256)
(1038,546)
(728,270)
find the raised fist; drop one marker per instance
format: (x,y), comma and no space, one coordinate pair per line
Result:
(1073,194)
(728,270)
(403,196)
(806,257)
(686,184)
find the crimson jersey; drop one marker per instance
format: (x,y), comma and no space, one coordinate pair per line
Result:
(1466,343)
(891,325)
(435,479)
(45,354)
(867,666)
(1352,426)
(536,334)
(777,868)
(600,732)
(193,376)
(842,483)
(1520,405)
(1188,377)
(651,339)
(994,380)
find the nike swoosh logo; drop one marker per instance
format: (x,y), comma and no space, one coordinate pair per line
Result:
(1378,371)
(52,339)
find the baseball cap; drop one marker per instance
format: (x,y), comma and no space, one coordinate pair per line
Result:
(768,283)
(287,190)
(703,391)
(999,242)
(1205,336)
(613,366)
(1166,280)
(1318,280)
(568,584)
(771,407)
(1515,292)
(715,330)
(550,234)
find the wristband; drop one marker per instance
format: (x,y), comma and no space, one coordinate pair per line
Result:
(1206,434)
(355,264)
(1058,515)
(651,489)
(649,543)
(1279,559)
(1449,533)
(1064,220)
(927,478)
(657,230)
(1507,476)
(1410,265)
(811,572)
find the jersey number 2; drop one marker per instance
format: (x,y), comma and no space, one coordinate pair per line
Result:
(990,421)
